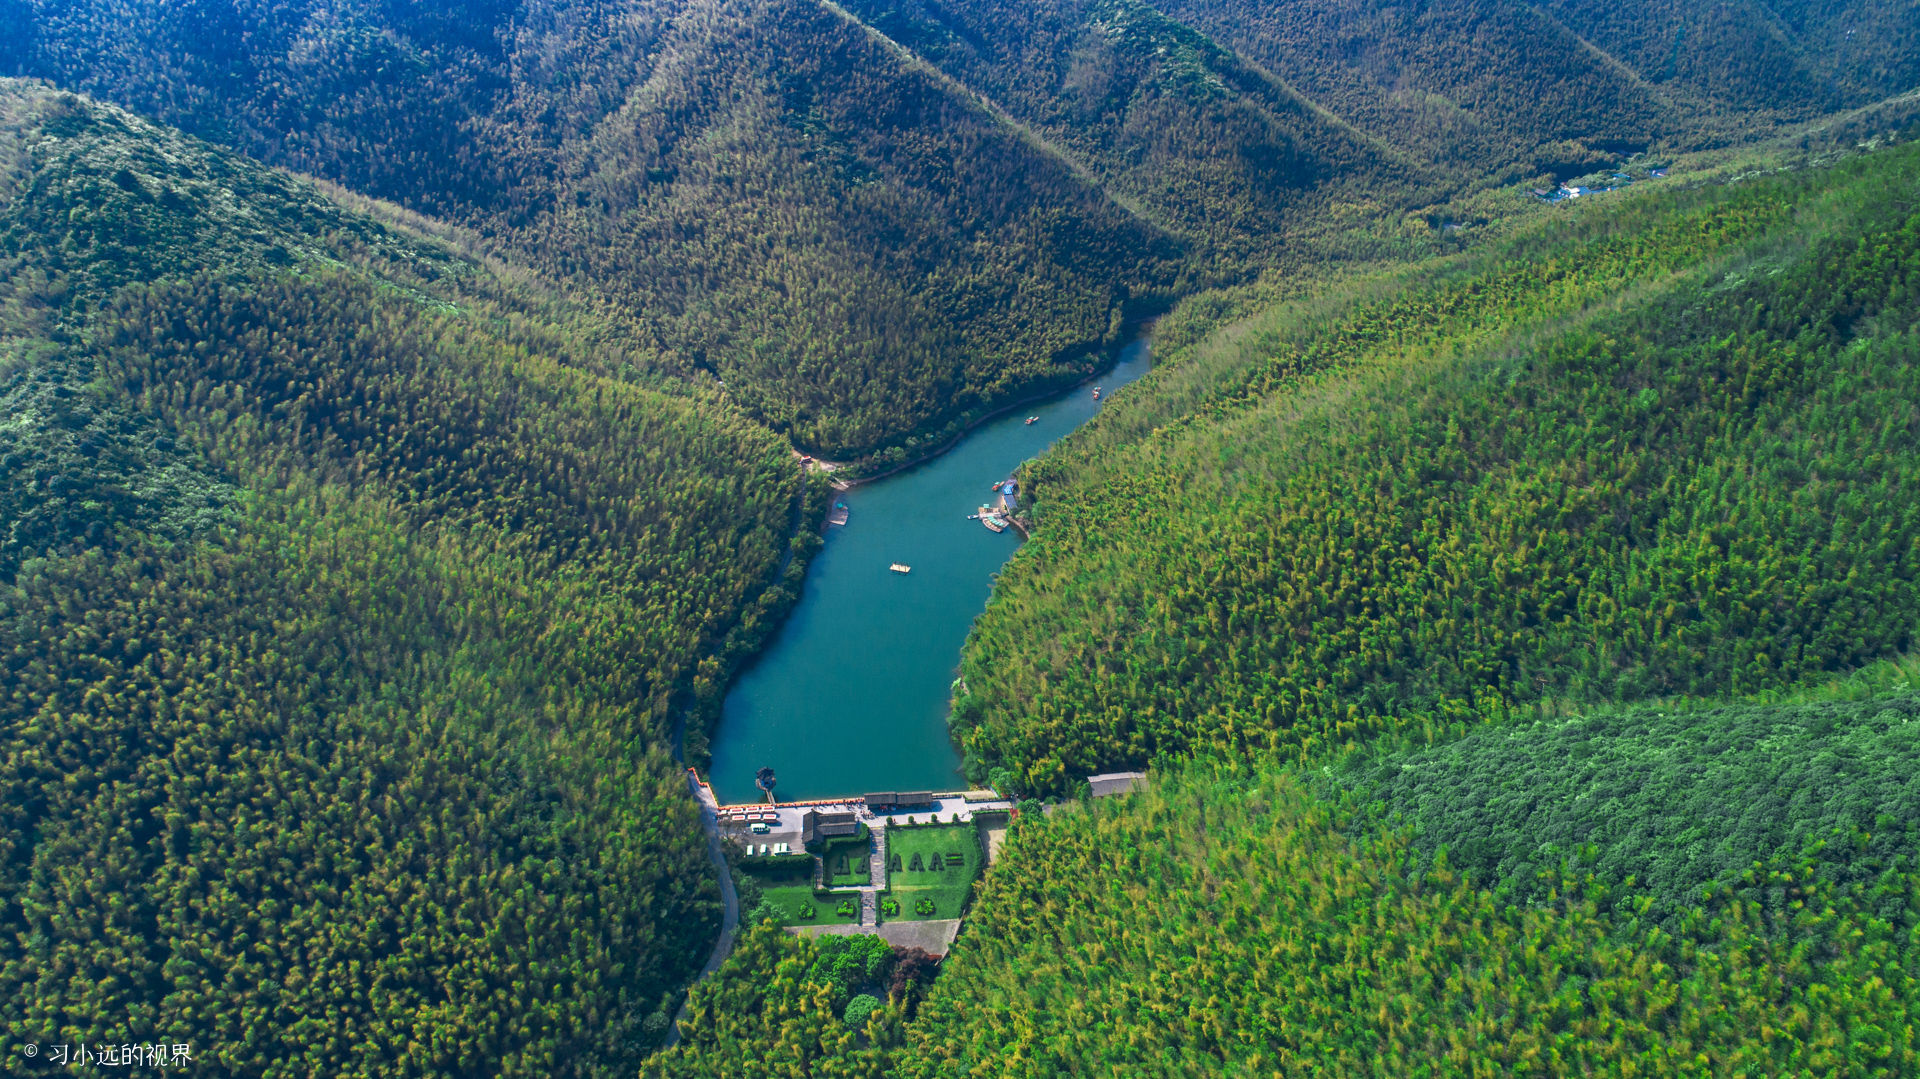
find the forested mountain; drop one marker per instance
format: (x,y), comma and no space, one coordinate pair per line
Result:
(762,192)
(1659,451)
(1227,923)
(876,220)
(1372,579)
(1791,58)
(346,611)
(1517,620)
(1207,146)
(1557,87)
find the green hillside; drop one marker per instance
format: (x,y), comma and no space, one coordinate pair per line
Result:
(763,194)
(1229,924)
(1514,604)
(1658,450)
(1677,800)
(1196,140)
(876,220)
(347,614)
(1797,58)
(1365,577)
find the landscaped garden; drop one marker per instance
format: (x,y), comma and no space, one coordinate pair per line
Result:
(930,870)
(782,887)
(846,860)
(801,905)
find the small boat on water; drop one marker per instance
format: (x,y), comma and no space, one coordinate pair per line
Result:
(899,568)
(1096,393)
(994,524)
(1031,420)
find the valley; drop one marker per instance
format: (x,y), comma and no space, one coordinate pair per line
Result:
(422,566)
(852,693)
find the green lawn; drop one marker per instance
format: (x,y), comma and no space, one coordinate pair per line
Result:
(914,852)
(853,853)
(789,888)
(791,900)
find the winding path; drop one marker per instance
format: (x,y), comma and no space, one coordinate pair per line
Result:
(729,899)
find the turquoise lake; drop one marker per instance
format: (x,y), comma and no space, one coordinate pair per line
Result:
(851,695)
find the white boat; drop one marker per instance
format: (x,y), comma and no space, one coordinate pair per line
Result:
(899,568)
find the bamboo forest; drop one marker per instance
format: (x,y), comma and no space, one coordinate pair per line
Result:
(1448,601)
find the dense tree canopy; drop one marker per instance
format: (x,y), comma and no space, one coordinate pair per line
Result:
(1487,490)
(876,220)
(1676,799)
(1365,576)
(345,634)
(365,565)
(1226,923)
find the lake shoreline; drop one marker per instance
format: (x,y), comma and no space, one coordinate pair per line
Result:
(1143,331)
(793,705)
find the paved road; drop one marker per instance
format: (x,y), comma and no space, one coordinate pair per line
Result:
(730,900)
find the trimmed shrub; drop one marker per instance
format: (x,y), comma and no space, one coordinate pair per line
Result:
(859,1009)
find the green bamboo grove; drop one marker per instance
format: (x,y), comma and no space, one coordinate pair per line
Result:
(1228,923)
(1244,919)
(1493,491)
(350,631)
(874,220)
(1495,631)
(1514,604)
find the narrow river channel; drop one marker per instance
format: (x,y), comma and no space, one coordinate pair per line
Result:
(851,695)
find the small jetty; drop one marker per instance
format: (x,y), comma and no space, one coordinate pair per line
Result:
(899,567)
(838,514)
